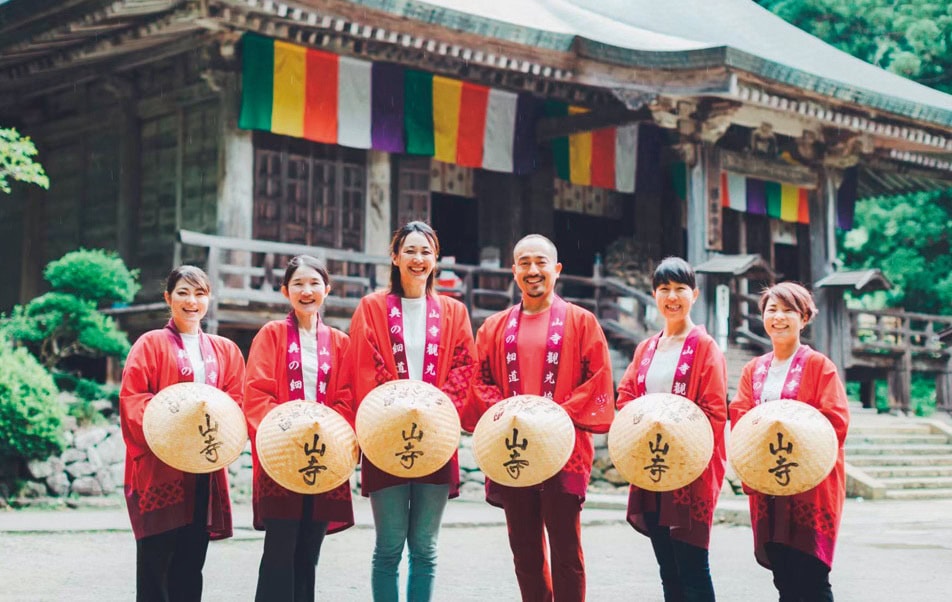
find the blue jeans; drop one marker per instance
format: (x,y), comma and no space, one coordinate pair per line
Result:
(411,514)
(685,572)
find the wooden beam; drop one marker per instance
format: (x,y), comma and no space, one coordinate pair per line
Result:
(549,128)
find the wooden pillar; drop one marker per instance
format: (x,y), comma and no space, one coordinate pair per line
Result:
(867,393)
(377,230)
(900,383)
(828,327)
(943,389)
(236,160)
(696,252)
(236,169)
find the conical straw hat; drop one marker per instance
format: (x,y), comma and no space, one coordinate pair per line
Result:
(783,447)
(194,427)
(408,428)
(661,442)
(306,447)
(523,440)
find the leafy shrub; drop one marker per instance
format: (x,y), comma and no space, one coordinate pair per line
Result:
(30,416)
(93,274)
(66,322)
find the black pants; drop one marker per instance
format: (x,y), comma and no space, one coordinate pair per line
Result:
(289,562)
(169,565)
(685,572)
(799,577)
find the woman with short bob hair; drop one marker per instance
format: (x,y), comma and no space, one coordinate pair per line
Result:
(299,358)
(174,514)
(681,359)
(394,334)
(794,536)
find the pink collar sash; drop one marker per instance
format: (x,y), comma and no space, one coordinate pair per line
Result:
(791,384)
(553,347)
(182,360)
(682,374)
(398,345)
(295,363)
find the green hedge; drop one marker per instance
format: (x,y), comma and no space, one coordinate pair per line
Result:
(30,415)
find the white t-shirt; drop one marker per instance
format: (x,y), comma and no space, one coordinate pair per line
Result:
(194,351)
(660,376)
(776,376)
(414,334)
(309,363)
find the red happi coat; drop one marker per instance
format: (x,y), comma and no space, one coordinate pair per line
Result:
(371,359)
(161,498)
(584,388)
(808,521)
(266,386)
(688,511)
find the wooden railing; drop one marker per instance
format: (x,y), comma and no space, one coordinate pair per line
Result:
(891,331)
(245,271)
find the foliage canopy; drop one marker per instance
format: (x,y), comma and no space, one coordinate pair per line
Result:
(66,321)
(16,160)
(912,38)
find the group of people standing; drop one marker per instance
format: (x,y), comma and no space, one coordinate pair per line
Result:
(543,346)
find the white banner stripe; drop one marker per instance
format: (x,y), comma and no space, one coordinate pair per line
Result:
(353,103)
(500,129)
(626,157)
(737,191)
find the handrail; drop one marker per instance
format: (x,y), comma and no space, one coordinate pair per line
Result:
(484,290)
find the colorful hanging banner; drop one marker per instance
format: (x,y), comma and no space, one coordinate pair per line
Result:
(605,158)
(305,93)
(786,202)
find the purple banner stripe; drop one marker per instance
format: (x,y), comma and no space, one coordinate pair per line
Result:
(387,108)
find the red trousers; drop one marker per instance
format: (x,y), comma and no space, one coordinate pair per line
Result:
(530,514)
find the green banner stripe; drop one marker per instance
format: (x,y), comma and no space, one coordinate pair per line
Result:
(257,82)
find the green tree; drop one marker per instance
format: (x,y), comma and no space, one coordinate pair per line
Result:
(30,417)
(66,321)
(16,160)
(908,237)
(912,38)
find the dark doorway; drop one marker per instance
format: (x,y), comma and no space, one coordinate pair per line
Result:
(579,237)
(787,262)
(456,221)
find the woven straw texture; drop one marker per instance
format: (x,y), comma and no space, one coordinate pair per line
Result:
(194,427)
(783,447)
(408,428)
(523,440)
(306,447)
(661,442)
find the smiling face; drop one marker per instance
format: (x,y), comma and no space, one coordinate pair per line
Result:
(189,304)
(535,270)
(782,323)
(674,301)
(416,260)
(306,291)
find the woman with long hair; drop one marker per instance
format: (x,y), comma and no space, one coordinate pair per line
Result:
(409,332)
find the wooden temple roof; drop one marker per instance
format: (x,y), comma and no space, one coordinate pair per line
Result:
(725,62)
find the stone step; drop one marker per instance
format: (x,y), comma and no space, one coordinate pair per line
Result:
(919,494)
(908,472)
(898,460)
(866,449)
(918,483)
(889,429)
(895,439)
